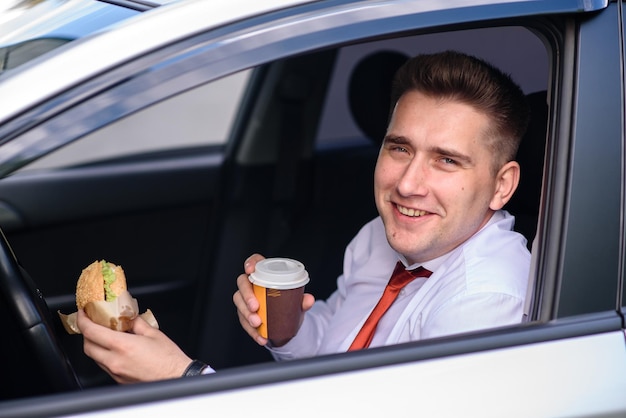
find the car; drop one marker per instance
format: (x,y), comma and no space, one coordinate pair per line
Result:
(187,137)
(29,29)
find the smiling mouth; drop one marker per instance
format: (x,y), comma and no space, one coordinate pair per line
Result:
(414,213)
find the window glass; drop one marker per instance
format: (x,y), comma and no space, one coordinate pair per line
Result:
(202,116)
(19,54)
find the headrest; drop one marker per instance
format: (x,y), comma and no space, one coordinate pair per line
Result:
(369,92)
(525,202)
(531,153)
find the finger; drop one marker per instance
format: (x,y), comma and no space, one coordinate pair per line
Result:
(307,301)
(93,332)
(140,327)
(242,307)
(82,320)
(246,292)
(251,261)
(245,316)
(101,354)
(252,331)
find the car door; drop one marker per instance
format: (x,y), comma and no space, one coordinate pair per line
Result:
(139,193)
(568,355)
(569,359)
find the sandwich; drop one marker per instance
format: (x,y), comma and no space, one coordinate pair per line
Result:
(102,293)
(100,281)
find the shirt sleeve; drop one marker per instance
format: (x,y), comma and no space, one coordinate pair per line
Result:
(208,370)
(465,313)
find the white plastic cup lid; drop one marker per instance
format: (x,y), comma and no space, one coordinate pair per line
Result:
(279,273)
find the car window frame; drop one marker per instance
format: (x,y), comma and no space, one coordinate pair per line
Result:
(226,50)
(229,49)
(297,21)
(582,244)
(622,303)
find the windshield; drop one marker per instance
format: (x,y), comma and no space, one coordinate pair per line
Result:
(30,28)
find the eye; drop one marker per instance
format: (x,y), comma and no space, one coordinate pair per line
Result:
(398,148)
(448,161)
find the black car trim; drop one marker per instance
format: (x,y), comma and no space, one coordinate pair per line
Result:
(139,5)
(192,171)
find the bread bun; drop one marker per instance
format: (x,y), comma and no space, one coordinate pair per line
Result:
(116,311)
(91,287)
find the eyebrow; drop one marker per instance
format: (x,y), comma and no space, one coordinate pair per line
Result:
(465,159)
(393,139)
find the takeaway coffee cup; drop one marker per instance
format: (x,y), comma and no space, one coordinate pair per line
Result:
(278,286)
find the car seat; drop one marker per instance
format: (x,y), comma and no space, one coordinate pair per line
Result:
(524,204)
(369,92)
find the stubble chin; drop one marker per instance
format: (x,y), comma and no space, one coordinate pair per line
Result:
(401,240)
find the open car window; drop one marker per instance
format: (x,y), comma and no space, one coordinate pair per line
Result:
(186,154)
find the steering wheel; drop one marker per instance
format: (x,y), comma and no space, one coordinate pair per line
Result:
(34,362)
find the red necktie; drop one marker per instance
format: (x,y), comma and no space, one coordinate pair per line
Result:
(399,278)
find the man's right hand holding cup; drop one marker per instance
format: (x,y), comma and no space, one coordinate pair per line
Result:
(273,308)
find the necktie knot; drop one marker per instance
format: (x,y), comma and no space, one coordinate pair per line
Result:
(399,278)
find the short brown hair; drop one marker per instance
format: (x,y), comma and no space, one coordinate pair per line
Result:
(457,76)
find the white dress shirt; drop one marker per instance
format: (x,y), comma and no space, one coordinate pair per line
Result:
(480,284)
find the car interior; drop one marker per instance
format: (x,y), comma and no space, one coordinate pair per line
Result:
(330,190)
(294,178)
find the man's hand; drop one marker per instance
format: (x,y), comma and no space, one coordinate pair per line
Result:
(140,355)
(248,306)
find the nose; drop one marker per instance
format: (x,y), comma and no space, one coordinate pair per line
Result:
(413,179)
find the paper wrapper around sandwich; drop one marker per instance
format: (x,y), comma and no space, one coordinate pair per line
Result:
(116,315)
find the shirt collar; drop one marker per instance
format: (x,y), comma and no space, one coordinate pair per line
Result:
(431,265)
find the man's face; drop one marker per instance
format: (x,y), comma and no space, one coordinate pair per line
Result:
(434,184)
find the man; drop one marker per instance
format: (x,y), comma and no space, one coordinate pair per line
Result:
(444,172)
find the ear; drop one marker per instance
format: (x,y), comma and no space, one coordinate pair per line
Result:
(507,180)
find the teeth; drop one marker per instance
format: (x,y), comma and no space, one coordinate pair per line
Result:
(411,212)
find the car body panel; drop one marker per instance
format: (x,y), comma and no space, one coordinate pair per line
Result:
(525,379)
(417,386)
